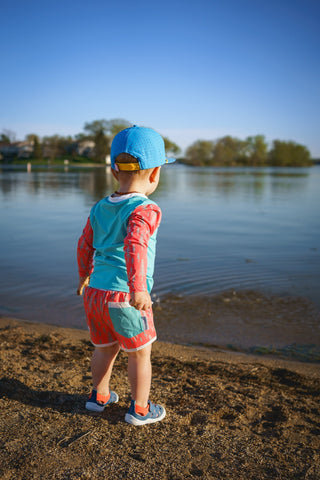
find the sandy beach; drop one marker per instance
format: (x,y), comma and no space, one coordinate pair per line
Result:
(230,415)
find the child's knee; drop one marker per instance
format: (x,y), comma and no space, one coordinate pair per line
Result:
(110,350)
(142,353)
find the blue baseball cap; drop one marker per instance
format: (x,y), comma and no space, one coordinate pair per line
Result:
(144,144)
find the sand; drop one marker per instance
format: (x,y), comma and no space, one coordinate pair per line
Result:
(230,415)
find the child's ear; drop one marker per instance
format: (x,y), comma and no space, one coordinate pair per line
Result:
(115,174)
(154,174)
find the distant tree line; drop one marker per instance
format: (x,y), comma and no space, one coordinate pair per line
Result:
(94,143)
(253,151)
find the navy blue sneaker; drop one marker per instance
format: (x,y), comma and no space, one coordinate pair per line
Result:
(95,405)
(156,414)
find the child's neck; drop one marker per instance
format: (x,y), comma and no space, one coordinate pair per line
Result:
(131,187)
(119,192)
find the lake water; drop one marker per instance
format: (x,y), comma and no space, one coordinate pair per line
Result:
(235,228)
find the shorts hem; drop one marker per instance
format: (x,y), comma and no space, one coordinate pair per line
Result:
(138,348)
(104,344)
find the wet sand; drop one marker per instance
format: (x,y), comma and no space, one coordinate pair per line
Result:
(245,321)
(230,415)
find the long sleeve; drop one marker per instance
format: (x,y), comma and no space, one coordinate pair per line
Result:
(143,222)
(85,251)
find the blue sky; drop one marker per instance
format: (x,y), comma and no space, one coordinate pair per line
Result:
(190,69)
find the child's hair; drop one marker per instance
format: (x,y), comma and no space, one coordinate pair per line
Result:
(127,158)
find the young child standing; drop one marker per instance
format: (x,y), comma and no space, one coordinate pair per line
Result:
(116,253)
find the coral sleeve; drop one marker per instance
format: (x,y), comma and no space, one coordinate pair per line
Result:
(143,222)
(85,251)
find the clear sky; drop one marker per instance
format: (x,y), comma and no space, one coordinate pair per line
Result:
(192,70)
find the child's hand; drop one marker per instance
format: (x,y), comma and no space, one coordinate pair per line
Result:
(141,300)
(83,282)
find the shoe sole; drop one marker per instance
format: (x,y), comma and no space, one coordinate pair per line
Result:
(136,422)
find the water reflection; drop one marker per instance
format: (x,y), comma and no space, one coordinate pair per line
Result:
(99,182)
(234,181)
(95,181)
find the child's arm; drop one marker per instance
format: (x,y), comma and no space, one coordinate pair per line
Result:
(143,222)
(85,254)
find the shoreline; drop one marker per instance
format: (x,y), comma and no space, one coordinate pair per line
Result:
(245,322)
(177,350)
(60,162)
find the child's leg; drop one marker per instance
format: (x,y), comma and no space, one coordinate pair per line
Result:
(101,366)
(139,373)
(142,411)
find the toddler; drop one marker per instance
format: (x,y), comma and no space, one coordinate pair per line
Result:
(116,254)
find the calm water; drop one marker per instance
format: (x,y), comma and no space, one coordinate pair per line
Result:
(239,228)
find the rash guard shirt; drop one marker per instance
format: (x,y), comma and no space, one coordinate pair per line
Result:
(117,246)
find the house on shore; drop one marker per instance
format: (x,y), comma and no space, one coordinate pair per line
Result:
(9,151)
(85,148)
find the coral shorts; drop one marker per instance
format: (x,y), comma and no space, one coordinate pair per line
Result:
(111,320)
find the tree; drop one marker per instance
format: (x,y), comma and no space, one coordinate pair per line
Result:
(34,140)
(257,150)
(4,138)
(228,151)
(171,146)
(37,150)
(289,154)
(102,132)
(56,146)
(102,146)
(7,136)
(117,125)
(96,127)
(200,153)
(108,127)
(82,136)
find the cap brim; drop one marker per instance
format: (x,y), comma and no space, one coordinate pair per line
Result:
(170,159)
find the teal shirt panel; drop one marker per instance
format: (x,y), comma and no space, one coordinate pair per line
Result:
(109,223)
